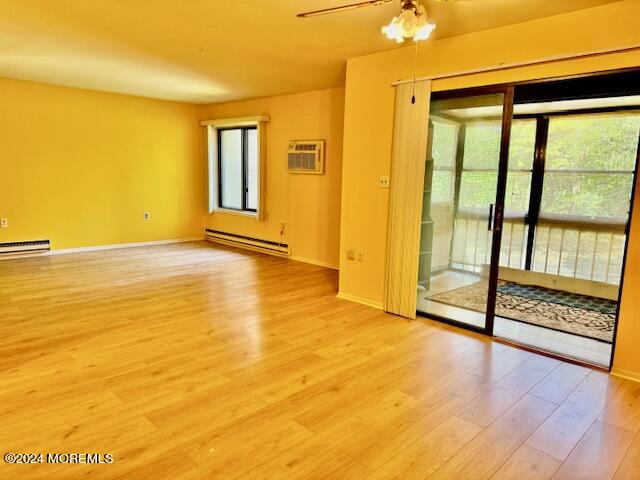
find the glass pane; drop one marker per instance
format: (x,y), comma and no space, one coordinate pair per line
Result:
(482,144)
(522,147)
(445,141)
(231,168)
(513,249)
(522,144)
(587,194)
(477,190)
(593,142)
(516,200)
(442,186)
(455,244)
(252,169)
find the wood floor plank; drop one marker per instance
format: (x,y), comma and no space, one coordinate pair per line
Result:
(563,430)
(497,367)
(624,408)
(172,464)
(407,429)
(529,464)
(419,459)
(630,467)
(508,390)
(490,405)
(598,455)
(559,384)
(340,468)
(486,453)
(438,374)
(234,453)
(194,361)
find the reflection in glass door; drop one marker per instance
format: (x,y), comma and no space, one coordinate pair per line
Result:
(462,210)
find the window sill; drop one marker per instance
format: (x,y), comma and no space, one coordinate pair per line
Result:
(229,211)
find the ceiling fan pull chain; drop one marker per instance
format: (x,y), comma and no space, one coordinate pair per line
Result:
(415,67)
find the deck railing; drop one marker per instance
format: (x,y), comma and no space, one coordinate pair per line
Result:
(578,247)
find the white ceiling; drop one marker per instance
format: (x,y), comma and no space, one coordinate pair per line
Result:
(204,51)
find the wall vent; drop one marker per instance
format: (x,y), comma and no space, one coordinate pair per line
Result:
(305,156)
(14,249)
(232,239)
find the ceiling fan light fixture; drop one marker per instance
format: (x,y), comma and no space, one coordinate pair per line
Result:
(424,31)
(411,23)
(394,31)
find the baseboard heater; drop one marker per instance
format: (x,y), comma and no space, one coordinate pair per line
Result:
(14,249)
(233,239)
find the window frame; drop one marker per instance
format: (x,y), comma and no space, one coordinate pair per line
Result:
(214,177)
(244,160)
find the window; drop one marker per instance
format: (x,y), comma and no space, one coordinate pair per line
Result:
(480,167)
(236,165)
(238,168)
(589,167)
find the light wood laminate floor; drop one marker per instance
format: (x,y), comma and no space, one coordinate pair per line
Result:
(197,361)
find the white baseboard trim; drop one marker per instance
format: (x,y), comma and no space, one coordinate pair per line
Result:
(628,374)
(114,246)
(314,262)
(363,301)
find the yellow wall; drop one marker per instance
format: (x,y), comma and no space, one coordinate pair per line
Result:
(80,168)
(309,205)
(627,355)
(368,123)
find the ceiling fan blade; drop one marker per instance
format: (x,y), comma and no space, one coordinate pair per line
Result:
(343,8)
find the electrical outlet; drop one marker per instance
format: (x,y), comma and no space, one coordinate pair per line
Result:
(384,181)
(4,223)
(282,227)
(147,215)
(351,254)
(360,255)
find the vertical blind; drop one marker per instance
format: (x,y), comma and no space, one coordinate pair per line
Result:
(410,132)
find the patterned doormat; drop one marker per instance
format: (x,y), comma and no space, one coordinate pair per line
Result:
(568,312)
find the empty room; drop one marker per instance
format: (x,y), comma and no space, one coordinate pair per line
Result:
(320,239)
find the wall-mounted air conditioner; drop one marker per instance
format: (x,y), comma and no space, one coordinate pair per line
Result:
(305,156)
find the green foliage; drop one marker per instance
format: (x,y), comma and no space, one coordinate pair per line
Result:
(596,143)
(601,143)
(445,139)
(593,142)
(443,152)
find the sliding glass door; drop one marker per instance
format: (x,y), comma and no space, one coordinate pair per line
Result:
(463,206)
(526,211)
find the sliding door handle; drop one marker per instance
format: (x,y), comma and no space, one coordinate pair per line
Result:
(490,225)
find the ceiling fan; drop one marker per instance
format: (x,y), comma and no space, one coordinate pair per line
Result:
(411,22)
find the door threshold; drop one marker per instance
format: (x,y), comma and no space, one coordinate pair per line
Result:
(555,355)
